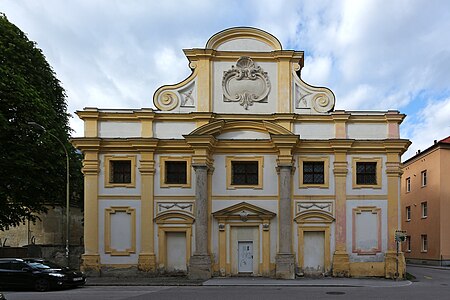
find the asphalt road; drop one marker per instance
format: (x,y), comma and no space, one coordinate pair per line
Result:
(429,284)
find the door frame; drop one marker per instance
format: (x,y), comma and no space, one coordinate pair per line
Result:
(301,243)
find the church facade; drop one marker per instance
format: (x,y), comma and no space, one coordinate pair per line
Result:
(242,169)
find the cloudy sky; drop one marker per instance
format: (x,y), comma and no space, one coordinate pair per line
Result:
(373,54)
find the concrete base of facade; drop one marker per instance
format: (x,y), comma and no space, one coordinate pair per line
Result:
(429,262)
(147,262)
(200,267)
(341,264)
(395,266)
(285,266)
(90,264)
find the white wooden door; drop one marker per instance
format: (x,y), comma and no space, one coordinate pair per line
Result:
(176,251)
(245,254)
(314,252)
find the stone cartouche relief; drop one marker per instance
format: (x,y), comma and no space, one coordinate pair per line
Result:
(245,83)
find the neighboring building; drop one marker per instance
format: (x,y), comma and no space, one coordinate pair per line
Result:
(243,168)
(426,202)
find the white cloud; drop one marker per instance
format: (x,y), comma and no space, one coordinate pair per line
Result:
(373,54)
(433,124)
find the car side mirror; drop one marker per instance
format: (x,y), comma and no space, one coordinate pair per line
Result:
(26,269)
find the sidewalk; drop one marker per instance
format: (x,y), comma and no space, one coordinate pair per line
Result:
(245,281)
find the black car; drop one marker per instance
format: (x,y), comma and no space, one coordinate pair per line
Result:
(39,274)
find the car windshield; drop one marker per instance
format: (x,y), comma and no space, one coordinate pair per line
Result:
(44,265)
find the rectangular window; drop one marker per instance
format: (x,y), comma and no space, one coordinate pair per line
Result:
(424,207)
(408,184)
(244,173)
(176,172)
(366,173)
(408,243)
(423,176)
(424,239)
(408,213)
(120,171)
(313,172)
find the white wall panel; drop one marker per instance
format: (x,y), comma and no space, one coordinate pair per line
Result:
(172,130)
(314,131)
(245,45)
(351,204)
(366,131)
(107,258)
(119,129)
(244,135)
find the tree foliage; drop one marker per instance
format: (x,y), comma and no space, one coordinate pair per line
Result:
(32,162)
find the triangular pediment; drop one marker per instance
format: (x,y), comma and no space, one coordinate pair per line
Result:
(244,210)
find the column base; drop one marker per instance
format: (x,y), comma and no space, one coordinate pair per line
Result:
(341,264)
(200,267)
(147,262)
(390,265)
(285,266)
(90,264)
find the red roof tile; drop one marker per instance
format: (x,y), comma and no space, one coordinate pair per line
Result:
(446,140)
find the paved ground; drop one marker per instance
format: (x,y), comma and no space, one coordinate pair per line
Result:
(430,283)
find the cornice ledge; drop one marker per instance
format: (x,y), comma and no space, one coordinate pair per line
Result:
(398,146)
(341,144)
(88,113)
(86,144)
(144,143)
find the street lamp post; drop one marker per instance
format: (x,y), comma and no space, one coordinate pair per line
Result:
(67,184)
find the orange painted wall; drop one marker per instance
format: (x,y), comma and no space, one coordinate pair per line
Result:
(430,193)
(445,203)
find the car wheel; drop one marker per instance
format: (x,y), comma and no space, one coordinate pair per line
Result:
(42,285)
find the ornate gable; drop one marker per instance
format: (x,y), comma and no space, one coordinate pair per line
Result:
(244,70)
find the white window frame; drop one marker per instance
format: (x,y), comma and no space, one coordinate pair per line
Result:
(408,213)
(424,209)
(424,243)
(408,184)
(408,243)
(423,178)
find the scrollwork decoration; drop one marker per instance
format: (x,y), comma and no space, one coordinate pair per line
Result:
(167,101)
(322,103)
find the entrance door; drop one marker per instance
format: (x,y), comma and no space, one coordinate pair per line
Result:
(176,251)
(314,252)
(245,250)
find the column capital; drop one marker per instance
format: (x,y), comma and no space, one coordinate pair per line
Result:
(286,145)
(203,146)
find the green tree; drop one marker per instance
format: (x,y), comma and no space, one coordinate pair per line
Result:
(32,162)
